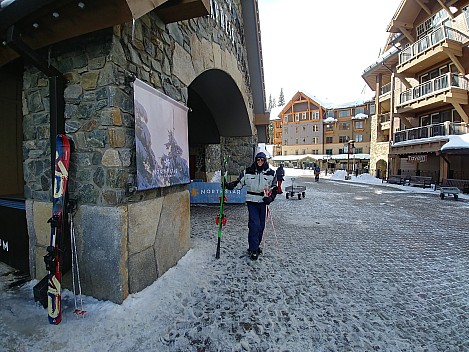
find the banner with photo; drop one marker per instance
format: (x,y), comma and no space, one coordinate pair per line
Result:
(161,138)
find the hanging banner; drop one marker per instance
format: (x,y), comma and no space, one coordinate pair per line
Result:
(161,138)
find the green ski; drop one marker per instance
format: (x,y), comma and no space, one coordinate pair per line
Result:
(220,220)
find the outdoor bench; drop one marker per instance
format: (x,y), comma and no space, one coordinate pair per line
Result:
(397,179)
(462,185)
(423,181)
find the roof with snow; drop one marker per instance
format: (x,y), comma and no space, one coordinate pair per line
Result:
(456,142)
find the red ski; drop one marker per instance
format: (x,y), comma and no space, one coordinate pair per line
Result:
(53,258)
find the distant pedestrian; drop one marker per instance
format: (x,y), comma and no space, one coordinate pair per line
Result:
(259,180)
(279,175)
(317,170)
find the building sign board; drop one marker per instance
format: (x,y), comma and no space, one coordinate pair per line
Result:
(209,192)
(417,158)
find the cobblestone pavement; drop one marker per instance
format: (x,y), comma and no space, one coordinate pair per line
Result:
(350,267)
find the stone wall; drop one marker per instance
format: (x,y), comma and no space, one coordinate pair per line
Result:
(125,241)
(378,150)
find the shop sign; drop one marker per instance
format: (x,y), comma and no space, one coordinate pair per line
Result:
(417,158)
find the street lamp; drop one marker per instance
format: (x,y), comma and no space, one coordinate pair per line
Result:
(349,146)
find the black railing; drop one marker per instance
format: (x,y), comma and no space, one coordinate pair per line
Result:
(440,129)
(431,40)
(433,86)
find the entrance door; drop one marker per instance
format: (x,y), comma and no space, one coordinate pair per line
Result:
(14,240)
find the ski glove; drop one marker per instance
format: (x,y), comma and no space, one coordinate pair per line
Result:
(268,200)
(231,185)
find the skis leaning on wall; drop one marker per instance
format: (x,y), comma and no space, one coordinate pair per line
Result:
(220,220)
(53,258)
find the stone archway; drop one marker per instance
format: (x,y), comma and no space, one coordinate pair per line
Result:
(381,168)
(217,110)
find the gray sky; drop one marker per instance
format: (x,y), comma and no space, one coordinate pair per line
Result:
(322,47)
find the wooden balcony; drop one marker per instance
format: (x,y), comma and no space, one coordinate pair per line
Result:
(437,46)
(446,89)
(435,130)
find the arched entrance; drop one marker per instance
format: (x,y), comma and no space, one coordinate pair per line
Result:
(217,109)
(381,169)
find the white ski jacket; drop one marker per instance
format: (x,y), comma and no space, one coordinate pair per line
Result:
(256,183)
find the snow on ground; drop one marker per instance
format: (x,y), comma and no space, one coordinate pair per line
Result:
(155,318)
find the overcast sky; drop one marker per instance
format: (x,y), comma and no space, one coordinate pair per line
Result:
(322,47)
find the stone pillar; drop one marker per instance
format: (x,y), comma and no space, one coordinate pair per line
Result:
(240,153)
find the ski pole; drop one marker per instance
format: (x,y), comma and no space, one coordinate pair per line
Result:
(269,215)
(75,268)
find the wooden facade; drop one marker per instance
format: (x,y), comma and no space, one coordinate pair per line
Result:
(422,91)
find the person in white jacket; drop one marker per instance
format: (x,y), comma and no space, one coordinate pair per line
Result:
(260,181)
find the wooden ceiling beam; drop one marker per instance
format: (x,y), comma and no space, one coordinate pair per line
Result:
(407,34)
(443,5)
(424,7)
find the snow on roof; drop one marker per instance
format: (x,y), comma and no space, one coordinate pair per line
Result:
(330,119)
(274,112)
(456,142)
(361,156)
(360,116)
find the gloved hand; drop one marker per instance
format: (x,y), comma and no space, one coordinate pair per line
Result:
(274,191)
(231,185)
(268,200)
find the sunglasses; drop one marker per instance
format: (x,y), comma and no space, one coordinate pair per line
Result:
(257,159)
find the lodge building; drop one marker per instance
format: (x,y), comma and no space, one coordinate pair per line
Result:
(421,123)
(307,130)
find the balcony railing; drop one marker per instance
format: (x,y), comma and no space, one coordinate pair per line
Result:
(385,89)
(440,129)
(386,117)
(431,40)
(435,85)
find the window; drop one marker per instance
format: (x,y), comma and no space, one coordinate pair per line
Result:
(296,142)
(342,151)
(359,125)
(330,114)
(315,140)
(328,151)
(358,150)
(315,128)
(343,139)
(329,140)
(314,151)
(358,138)
(344,113)
(344,126)
(372,109)
(315,115)
(303,115)
(297,117)
(359,110)
(285,118)
(285,142)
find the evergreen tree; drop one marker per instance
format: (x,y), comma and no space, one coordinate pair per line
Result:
(281,98)
(270,103)
(274,103)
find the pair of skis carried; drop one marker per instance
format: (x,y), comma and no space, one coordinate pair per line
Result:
(55,251)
